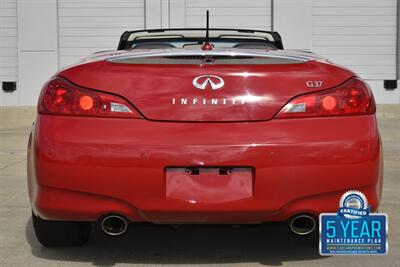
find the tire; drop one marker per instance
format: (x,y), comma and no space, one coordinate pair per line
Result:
(60,233)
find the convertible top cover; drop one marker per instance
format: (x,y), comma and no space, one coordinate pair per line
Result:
(170,38)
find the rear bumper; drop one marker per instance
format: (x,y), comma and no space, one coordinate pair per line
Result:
(83,168)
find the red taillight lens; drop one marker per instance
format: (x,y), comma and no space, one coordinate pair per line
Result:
(60,96)
(350,98)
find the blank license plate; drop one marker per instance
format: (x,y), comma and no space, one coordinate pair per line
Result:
(209,185)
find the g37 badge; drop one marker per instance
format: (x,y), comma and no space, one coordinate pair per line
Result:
(314,84)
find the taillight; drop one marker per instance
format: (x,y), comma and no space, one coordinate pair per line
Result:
(60,96)
(350,98)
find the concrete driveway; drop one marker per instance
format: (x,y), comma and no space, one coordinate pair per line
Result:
(149,245)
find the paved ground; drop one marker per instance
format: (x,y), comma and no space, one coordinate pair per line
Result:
(191,245)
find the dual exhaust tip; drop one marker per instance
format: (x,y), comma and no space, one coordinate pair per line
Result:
(115,225)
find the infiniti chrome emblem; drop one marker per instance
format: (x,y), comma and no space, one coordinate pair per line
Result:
(201,82)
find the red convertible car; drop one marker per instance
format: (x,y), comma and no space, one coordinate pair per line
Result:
(175,128)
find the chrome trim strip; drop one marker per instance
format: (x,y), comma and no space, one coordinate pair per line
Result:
(176,52)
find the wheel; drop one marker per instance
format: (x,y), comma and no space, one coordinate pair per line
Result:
(60,233)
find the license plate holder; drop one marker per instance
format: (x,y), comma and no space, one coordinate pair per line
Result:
(209,184)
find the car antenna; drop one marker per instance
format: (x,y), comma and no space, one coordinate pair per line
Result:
(207,45)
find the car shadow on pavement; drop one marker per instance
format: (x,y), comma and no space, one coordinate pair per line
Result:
(267,244)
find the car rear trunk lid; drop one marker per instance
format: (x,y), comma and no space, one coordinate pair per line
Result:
(200,88)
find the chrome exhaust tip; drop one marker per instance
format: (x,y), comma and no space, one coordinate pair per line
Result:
(114,225)
(302,224)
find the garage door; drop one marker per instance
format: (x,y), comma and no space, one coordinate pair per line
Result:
(8,41)
(253,14)
(360,34)
(94,25)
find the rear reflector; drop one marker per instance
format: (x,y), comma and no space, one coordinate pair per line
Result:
(350,98)
(60,96)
